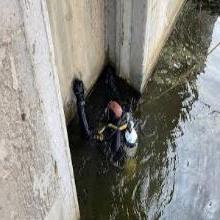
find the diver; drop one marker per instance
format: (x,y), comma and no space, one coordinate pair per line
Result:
(118,137)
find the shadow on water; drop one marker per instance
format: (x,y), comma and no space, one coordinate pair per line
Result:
(177,167)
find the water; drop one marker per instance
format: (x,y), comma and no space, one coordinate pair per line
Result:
(176,172)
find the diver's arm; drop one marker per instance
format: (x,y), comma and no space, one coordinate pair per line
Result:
(78,90)
(117,145)
(116,141)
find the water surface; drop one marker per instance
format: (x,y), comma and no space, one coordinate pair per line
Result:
(176,172)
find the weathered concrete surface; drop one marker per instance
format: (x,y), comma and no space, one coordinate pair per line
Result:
(78,35)
(36,176)
(161,17)
(128,33)
(141,29)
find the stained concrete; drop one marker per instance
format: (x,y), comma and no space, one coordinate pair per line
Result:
(127,33)
(78,31)
(36,175)
(141,28)
(161,17)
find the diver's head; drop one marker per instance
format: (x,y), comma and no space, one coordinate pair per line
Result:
(115,110)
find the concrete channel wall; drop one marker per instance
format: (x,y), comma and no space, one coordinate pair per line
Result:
(127,33)
(136,33)
(78,34)
(36,175)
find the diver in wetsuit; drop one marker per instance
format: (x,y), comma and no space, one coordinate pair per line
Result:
(118,137)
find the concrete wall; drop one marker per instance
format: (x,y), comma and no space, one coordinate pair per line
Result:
(161,17)
(78,35)
(141,28)
(36,176)
(128,33)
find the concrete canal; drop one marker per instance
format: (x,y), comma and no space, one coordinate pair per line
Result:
(176,172)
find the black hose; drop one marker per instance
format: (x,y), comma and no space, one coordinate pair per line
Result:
(78,89)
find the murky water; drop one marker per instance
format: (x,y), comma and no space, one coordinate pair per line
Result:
(176,172)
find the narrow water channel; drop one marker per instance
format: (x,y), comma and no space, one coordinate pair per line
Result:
(176,172)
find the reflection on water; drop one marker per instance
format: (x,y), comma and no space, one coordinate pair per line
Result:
(176,172)
(197,175)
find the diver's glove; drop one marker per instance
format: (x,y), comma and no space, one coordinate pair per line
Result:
(78,89)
